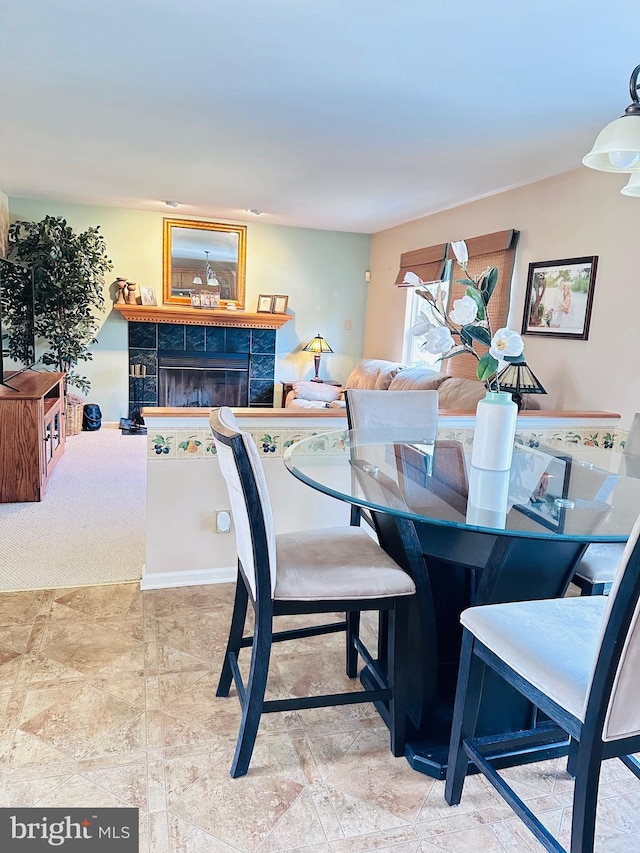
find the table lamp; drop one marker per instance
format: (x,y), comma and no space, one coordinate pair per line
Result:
(517,379)
(317,346)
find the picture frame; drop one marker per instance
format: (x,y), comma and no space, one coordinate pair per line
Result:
(147,296)
(265,304)
(280,303)
(547,502)
(559,298)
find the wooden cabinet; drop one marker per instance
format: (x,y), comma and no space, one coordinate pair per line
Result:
(31,434)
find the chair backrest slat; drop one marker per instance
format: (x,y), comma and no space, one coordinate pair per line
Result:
(614,692)
(242,469)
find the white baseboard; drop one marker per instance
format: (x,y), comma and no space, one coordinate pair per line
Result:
(196,577)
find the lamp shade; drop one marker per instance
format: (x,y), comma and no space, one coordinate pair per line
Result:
(617,146)
(632,188)
(518,379)
(318,344)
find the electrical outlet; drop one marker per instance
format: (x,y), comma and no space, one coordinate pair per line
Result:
(223,521)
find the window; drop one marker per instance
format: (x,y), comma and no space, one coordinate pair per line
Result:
(412,354)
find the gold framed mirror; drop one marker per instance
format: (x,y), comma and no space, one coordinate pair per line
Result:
(203,257)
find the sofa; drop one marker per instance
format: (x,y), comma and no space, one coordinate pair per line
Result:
(454,393)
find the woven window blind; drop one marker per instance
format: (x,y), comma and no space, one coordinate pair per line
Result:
(490,250)
(428,263)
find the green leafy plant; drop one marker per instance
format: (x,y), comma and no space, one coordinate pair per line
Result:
(448,333)
(69,271)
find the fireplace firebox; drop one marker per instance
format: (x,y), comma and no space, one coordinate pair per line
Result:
(203,379)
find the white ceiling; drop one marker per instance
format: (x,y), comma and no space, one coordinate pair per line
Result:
(351,115)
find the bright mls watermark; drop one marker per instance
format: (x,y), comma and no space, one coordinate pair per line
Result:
(80,830)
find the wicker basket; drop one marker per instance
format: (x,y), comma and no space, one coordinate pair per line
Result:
(73,414)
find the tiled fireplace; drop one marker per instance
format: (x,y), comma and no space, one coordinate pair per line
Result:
(245,356)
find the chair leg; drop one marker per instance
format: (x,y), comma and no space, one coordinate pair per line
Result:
(585,798)
(465,716)
(256,686)
(353,631)
(235,635)
(398,648)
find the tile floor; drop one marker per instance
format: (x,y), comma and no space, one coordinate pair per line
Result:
(107,698)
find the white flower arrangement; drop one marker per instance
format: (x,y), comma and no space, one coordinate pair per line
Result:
(455,332)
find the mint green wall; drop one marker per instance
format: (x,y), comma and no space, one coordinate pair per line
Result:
(321,271)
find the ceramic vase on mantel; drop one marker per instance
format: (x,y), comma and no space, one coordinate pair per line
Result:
(494,432)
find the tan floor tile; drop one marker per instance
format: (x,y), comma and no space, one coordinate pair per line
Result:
(185,838)
(37,668)
(23,794)
(15,637)
(128,686)
(214,806)
(78,792)
(479,840)
(406,837)
(127,782)
(181,772)
(360,817)
(78,724)
(299,826)
(29,751)
(120,600)
(369,771)
(129,741)
(88,648)
(311,674)
(19,608)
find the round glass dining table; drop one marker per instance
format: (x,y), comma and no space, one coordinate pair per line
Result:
(470,536)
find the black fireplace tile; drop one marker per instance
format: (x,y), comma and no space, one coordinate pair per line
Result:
(261,392)
(215,339)
(143,394)
(148,357)
(238,340)
(263,341)
(171,336)
(143,335)
(262,367)
(195,338)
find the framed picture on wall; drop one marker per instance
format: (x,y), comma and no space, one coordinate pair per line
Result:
(265,303)
(559,298)
(280,304)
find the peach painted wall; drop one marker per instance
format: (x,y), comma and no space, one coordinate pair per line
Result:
(571,215)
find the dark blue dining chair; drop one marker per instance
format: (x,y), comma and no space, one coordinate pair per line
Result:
(577,660)
(305,572)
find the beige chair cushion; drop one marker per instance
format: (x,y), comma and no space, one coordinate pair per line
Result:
(600,562)
(417,379)
(365,374)
(552,644)
(336,563)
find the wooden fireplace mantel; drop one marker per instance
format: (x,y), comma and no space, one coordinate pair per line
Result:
(201,316)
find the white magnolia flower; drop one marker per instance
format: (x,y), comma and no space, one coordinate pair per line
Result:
(412,279)
(506,342)
(422,325)
(464,311)
(438,340)
(459,249)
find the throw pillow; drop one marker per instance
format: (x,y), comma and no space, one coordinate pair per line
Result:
(317,391)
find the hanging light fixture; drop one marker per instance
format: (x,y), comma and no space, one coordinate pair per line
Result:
(210,277)
(617,147)
(317,346)
(633,186)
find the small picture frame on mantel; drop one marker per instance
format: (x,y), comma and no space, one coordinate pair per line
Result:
(147,296)
(279,304)
(265,303)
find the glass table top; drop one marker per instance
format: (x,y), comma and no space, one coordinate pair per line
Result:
(573,492)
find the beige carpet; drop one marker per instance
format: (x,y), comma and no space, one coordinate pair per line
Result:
(90,526)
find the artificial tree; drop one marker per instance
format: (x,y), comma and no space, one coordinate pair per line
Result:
(69,272)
